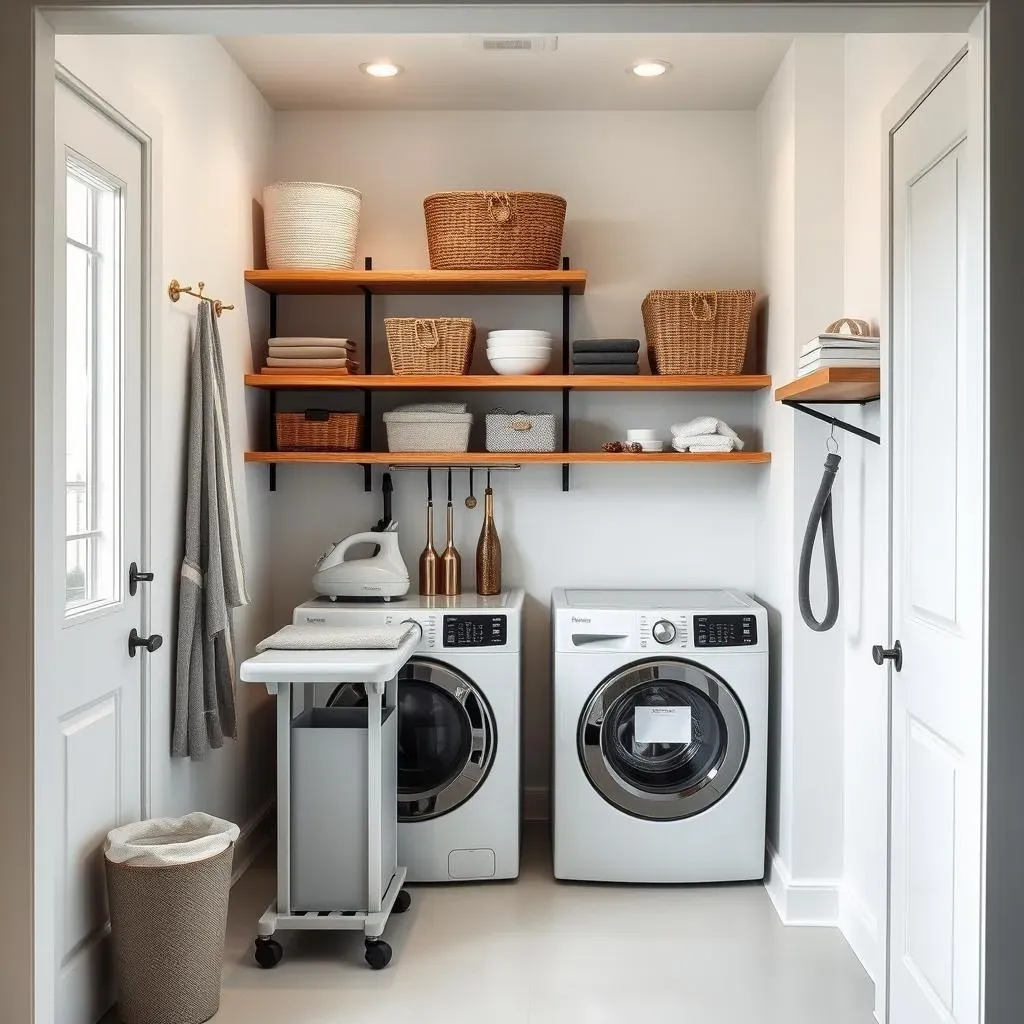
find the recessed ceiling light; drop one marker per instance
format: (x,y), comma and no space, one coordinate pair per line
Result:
(380,69)
(650,68)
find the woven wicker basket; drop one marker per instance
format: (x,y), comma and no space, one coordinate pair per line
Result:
(494,230)
(427,431)
(310,225)
(698,332)
(168,925)
(440,346)
(317,430)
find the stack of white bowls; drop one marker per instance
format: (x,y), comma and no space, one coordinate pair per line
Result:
(519,352)
(649,440)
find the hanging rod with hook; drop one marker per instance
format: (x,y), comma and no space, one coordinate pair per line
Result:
(835,423)
(176,289)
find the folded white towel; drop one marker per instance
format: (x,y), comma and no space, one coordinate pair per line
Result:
(325,364)
(706,443)
(312,342)
(309,352)
(694,428)
(337,638)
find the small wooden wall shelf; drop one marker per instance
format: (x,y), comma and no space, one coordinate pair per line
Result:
(418,282)
(503,458)
(834,384)
(495,382)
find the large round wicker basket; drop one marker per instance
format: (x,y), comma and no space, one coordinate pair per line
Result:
(494,230)
(168,925)
(309,225)
(698,332)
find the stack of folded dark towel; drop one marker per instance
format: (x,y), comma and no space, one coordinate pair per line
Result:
(606,355)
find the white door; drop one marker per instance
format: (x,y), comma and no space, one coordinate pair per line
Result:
(938,450)
(98,470)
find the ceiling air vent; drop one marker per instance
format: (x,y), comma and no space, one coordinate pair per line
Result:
(513,44)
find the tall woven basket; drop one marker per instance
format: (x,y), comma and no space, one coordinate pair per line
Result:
(168,925)
(310,225)
(494,230)
(443,345)
(698,332)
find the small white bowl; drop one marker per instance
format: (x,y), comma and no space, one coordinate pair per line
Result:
(520,334)
(652,446)
(520,365)
(643,435)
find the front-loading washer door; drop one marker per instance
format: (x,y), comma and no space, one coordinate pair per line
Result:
(663,739)
(446,739)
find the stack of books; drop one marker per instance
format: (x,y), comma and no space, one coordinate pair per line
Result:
(839,350)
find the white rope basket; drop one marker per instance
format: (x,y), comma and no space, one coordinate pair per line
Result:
(309,225)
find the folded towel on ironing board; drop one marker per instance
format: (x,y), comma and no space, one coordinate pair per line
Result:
(337,638)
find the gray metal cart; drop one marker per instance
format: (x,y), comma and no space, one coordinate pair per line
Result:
(282,672)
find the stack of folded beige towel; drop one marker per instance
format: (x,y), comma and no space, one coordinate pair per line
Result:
(311,355)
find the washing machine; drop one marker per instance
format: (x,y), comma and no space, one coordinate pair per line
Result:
(459,746)
(660,735)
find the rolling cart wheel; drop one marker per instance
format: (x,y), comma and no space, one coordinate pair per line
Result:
(268,953)
(378,954)
(403,901)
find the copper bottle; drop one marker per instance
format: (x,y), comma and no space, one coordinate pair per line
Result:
(488,551)
(451,563)
(430,561)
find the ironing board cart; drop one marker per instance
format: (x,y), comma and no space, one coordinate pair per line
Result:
(282,672)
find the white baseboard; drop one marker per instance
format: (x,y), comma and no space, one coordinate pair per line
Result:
(803,901)
(536,803)
(254,837)
(860,929)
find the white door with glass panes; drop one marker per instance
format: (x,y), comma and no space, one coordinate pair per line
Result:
(938,460)
(98,469)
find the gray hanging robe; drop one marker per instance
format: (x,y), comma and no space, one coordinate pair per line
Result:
(212,574)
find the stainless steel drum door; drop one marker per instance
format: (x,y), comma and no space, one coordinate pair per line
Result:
(663,781)
(446,739)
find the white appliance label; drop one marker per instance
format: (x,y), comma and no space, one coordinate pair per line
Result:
(662,724)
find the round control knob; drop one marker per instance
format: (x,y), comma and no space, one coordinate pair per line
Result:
(664,632)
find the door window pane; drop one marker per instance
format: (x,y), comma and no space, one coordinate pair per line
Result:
(93,387)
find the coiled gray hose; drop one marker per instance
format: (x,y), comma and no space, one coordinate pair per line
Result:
(821,512)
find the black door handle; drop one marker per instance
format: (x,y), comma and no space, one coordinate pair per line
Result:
(135,577)
(880,655)
(150,643)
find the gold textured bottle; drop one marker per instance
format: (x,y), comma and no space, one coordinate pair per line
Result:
(430,560)
(488,550)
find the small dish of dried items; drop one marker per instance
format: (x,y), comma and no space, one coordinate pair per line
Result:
(623,447)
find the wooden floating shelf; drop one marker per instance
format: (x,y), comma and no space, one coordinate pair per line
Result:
(495,382)
(505,458)
(418,282)
(834,384)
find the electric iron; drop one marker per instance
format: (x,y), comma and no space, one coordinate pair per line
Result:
(381,575)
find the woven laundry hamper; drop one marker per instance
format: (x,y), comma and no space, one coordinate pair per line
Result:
(168,924)
(310,225)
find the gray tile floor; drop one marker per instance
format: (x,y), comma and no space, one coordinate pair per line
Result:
(539,952)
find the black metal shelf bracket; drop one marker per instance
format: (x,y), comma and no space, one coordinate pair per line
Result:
(368,364)
(806,408)
(272,402)
(566,343)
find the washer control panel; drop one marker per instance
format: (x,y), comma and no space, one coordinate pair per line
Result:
(725,630)
(475,631)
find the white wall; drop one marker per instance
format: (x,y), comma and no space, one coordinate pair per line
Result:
(215,131)
(654,200)
(800,126)
(876,67)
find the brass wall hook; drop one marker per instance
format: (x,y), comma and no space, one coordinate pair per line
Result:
(176,289)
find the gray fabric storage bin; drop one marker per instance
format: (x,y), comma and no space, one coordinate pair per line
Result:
(329,806)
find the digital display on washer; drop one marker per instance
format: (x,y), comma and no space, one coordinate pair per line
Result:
(475,630)
(725,630)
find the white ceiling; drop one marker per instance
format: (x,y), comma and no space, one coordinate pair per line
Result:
(583,72)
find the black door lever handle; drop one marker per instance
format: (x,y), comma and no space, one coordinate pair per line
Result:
(137,576)
(149,643)
(880,655)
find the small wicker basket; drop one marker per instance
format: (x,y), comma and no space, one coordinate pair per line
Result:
(698,332)
(317,430)
(442,346)
(494,230)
